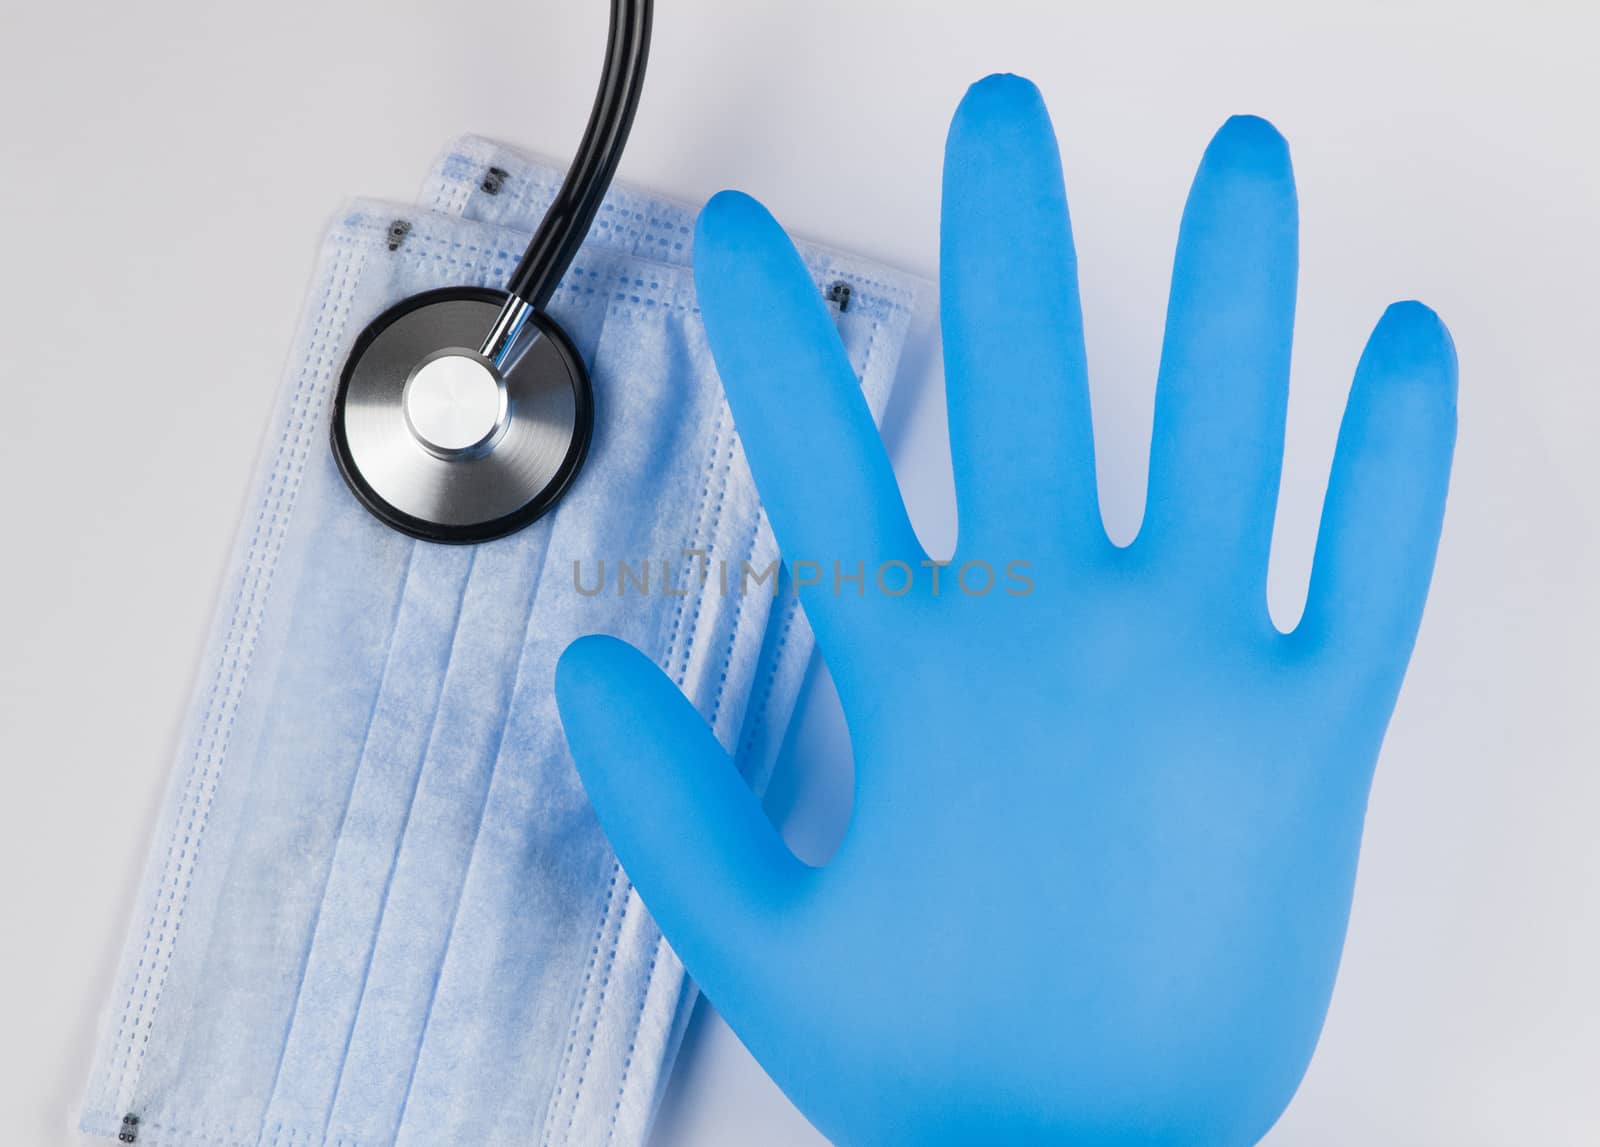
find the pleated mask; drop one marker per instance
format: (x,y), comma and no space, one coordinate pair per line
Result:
(378,908)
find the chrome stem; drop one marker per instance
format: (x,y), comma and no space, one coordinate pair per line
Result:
(507,326)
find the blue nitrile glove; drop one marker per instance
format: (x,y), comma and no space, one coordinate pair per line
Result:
(1099,866)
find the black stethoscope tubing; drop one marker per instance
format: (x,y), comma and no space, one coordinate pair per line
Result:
(567,221)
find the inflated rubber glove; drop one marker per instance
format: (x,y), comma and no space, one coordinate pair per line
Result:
(1099,864)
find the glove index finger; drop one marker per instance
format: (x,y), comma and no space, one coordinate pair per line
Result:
(819,463)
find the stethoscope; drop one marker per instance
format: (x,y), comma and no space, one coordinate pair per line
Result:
(453,444)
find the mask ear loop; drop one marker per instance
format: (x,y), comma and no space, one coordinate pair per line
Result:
(566,223)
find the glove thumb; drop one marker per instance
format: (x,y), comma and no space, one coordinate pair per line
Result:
(690,834)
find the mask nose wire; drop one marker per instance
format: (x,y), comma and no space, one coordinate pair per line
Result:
(567,221)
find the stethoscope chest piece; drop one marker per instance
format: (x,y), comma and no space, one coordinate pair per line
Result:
(464,414)
(443,444)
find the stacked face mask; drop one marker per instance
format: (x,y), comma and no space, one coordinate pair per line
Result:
(378,908)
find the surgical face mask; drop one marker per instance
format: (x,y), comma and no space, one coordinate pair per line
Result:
(378,908)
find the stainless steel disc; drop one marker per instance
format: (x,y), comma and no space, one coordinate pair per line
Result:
(439,443)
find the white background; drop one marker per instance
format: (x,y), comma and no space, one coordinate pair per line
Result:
(1444,151)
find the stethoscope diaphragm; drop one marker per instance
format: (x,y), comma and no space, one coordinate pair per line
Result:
(444,445)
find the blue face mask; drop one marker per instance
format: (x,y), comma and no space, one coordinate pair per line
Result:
(378,908)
